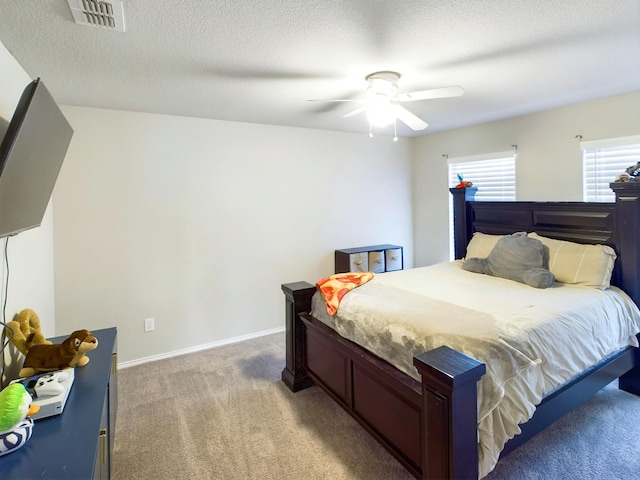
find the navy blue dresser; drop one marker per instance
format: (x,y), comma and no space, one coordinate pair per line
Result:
(76,444)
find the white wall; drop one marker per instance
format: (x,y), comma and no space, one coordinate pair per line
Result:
(30,254)
(197,223)
(548,164)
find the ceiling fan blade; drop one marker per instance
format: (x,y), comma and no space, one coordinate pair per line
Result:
(355,112)
(432,93)
(405,116)
(335,100)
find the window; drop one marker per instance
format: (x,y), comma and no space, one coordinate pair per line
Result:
(494,175)
(603,161)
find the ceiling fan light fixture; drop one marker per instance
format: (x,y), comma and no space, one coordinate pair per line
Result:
(380,113)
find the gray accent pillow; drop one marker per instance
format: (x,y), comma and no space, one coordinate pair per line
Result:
(515,257)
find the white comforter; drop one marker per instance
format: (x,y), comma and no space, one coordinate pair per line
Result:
(532,340)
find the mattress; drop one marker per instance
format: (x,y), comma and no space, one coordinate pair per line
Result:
(532,340)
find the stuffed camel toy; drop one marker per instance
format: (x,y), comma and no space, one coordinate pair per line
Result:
(24,324)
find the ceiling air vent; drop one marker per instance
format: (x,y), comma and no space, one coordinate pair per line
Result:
(95,13)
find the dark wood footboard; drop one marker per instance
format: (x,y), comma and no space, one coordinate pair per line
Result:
(429,426)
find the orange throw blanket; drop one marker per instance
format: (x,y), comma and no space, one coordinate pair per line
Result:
(336,286)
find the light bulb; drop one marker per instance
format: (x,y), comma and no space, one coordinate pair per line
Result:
(380,113)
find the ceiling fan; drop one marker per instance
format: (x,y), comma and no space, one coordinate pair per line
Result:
(383,100)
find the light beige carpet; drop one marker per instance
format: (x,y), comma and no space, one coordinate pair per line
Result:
(224,414)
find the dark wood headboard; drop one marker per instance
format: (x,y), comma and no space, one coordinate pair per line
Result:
(615,224)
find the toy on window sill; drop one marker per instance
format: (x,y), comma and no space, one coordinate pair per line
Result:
(634,171)
(70,353)
(631,174)
(15,425)
(462,183)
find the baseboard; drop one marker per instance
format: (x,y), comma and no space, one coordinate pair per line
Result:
(198,348)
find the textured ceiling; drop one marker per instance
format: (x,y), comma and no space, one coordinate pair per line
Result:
(260,61)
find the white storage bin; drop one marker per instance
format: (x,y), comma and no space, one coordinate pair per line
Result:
(359,262)
(376,262)
(393,259)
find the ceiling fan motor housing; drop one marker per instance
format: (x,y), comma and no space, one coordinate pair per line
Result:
(383,83)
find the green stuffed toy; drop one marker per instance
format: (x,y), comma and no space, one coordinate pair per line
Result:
(15,426)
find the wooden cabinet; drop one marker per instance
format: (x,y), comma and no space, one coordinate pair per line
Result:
(77,443)
(374,258)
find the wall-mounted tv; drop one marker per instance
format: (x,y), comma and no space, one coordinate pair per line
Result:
(31,155)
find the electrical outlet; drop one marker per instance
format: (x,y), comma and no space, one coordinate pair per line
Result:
(149,324)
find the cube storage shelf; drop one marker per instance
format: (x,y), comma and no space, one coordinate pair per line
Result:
(373,258)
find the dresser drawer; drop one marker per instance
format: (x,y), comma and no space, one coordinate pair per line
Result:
(393,259)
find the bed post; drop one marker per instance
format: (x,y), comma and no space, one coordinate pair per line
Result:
(449,417)
(461,224)
(627,235)
(297,300)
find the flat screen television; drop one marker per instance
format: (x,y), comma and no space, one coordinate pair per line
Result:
(31,155)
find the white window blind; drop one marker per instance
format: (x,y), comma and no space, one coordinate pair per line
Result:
(603,161)
(493,174)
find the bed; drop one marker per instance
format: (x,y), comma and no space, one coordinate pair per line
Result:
(429,421)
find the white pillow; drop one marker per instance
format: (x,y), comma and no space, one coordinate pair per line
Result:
(578,264)
(481,244)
